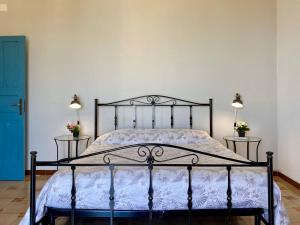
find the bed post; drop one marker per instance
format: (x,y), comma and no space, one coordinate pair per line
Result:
(270,188)
(73,196)
(96,119)
(32,187)
(150,160)
(211,133)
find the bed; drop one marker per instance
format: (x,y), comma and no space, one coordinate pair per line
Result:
(156,173)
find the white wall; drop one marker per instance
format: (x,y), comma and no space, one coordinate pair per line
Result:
(112,49)
(289,87)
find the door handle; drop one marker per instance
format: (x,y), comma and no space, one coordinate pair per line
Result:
(20,105)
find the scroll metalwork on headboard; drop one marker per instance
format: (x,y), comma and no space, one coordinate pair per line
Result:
(153,101)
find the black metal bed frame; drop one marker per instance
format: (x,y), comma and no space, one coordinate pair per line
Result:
(150,156)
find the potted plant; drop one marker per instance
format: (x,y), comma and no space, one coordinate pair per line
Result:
(74,129)
(241,127)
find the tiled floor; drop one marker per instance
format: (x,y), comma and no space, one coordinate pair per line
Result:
(14,202)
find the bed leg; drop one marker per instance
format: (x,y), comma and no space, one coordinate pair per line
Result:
(32,187)
(52,220)
(257,220)
(45,220)
(270,189)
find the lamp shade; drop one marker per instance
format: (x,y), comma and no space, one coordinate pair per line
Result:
(75,103)
(237,102)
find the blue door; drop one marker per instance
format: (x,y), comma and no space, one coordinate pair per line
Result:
(12,113)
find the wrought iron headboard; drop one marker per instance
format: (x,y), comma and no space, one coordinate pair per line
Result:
(154,101)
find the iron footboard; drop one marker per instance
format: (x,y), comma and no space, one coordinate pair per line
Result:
(149,157)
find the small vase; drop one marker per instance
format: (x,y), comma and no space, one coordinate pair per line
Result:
(76,134)
(242,134)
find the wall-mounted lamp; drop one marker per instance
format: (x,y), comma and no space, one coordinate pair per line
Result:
(237,103)
(75,104)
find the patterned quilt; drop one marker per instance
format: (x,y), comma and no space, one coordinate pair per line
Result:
(249,185)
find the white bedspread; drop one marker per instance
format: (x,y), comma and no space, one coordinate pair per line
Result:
(249,186)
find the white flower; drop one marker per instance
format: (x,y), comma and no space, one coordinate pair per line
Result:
(241,126)
(241,123)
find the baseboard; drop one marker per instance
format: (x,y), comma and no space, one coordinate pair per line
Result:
(288,179)
(276,173)
(41,172)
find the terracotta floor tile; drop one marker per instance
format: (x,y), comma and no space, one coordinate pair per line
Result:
(16,207)
(18,200)
(4,202)
(8,218)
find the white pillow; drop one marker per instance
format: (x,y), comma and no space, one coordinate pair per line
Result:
(160,136)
